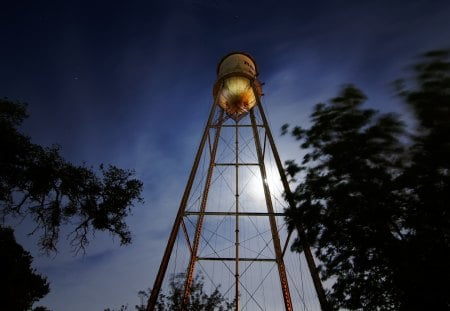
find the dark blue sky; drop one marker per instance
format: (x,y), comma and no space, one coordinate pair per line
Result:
(130,83)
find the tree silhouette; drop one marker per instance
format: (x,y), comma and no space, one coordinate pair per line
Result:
(199,300)
(345,199)
(21,286)
(426,182)
(37,182)
(122,308)
(374,201)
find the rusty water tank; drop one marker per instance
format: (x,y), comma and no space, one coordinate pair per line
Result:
(237,88)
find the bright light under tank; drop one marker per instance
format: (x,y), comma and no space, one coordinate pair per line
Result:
(236,96)
(236,85)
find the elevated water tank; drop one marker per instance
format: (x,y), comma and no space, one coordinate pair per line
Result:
(237,87)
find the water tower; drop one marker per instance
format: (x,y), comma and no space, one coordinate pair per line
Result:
(230,224)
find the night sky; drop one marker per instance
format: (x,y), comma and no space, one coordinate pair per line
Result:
(129,83)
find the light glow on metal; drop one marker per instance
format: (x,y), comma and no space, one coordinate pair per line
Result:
(236,95)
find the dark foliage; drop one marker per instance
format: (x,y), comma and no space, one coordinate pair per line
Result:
(345,201)
(373,203)
(426,255)
(122,308)
(172,300)
(21,286)
(37,182)
(198,299)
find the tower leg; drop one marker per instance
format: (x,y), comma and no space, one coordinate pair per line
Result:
(273,224)
(178,220)
(198,229)
(305,245)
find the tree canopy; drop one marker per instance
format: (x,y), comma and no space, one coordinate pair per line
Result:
(199,299)
(373,200)
(37,181)
(21,286)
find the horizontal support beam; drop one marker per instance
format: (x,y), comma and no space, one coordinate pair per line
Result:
(234,259)
(233,214)
(236,164)
(239,125)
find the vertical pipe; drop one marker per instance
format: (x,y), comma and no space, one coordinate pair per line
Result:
(305,245)
(173,235)
(237,219)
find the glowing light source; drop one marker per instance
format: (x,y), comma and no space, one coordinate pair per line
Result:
(236,95)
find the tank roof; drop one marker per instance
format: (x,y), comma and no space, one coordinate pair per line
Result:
(237,52)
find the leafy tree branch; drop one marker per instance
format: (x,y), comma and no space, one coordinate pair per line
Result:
(38,182)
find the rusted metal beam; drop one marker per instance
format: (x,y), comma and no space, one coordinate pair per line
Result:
(325,306)
(234,214)
(272,221)
(173,234)
(233,259)
(198,229)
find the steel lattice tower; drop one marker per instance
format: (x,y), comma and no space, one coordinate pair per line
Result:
(222,220)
